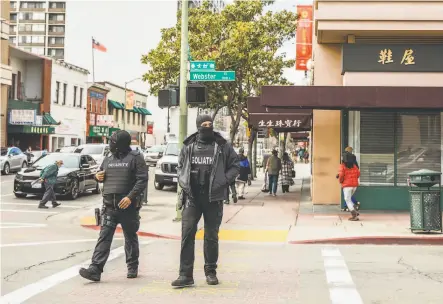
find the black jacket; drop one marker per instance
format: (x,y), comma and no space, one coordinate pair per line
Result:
(224,169)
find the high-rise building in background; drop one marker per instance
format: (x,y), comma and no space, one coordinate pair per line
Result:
(38,26)
(217,5)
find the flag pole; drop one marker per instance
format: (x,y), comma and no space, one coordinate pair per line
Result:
(93,65)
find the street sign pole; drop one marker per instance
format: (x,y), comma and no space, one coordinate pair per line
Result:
(183,119)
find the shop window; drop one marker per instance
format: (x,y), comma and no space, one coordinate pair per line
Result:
(75,96)
(389,145)
(418,139)
(80,104)
(65,89)
(57,92)
(372,137)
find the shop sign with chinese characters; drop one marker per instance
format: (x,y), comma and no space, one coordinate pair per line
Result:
(98,131)
(392,58)
(282,120)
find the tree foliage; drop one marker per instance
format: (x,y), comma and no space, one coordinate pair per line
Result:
(242,38)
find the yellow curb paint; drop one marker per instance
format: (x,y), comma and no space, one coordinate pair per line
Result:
(87,221)
(249,235)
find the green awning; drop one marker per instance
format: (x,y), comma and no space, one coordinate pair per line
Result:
(115,104)
(48,120)
(145,111)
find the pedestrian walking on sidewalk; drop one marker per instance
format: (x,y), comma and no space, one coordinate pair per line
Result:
(287,168)
(125,176)
(348,176)
(49,176)
(244,175)
(273,167)
(207,165)
(349,156)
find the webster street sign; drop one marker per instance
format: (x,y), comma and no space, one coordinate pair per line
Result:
(212,76)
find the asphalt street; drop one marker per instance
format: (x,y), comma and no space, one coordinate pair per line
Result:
(42,250)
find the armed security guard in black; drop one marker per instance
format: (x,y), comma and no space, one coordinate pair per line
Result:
(125,176)
(207,165)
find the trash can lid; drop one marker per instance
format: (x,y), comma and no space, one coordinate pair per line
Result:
(424,172)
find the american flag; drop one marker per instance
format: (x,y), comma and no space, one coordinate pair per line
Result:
(96,45)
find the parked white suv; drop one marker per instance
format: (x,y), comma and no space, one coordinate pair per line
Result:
(166,169)
(97,151)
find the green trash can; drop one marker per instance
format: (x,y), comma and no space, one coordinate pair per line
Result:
(424,196)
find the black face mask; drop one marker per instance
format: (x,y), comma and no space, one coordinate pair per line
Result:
(113,143)
(119,143)
(206,133)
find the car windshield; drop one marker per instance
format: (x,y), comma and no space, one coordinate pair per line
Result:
(156,149)
(67,149)
(172,149)
(69,161)
(89,150)
(4,151)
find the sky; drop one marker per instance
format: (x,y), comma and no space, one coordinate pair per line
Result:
(129,29)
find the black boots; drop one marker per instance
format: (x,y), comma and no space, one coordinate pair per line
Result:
(132,273)
(211,279)
(55,204)
(91,274)
(183,281)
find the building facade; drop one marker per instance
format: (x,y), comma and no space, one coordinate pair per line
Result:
(377,86)
(29,101)
(68,104)
(5,70)
(134,121)
(97,126)
(38,26)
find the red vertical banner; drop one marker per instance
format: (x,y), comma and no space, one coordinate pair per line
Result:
(303,37)
(150,128)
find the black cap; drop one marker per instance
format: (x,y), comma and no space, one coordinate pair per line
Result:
(203,118)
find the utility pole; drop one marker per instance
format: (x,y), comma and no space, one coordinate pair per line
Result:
(183,119)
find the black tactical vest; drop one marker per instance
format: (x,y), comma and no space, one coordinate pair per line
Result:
(119,175)
(201,164)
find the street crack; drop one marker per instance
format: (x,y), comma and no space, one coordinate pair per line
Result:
(415,270)
(70,255)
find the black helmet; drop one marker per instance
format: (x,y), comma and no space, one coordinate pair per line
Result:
(120,142)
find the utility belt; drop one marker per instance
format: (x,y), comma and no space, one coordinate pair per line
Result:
(111,201)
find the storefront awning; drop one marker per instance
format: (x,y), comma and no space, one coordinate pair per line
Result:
(355,97)
(145,111)
(115,104)
(254,106)
(48,120)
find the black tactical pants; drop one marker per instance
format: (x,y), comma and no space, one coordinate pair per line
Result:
(130,221)
(212,214)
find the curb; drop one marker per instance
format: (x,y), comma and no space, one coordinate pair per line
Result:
(375,240)
(139,233)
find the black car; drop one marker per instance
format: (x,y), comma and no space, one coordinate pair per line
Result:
(74,177)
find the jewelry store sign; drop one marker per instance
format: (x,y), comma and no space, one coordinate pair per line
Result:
(392,58)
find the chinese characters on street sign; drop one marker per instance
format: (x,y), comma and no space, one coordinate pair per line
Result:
(202,66)
(280,123)
(385,57)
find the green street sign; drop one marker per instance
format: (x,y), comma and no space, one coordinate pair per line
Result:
(212,76)
(98,131)
(202,66)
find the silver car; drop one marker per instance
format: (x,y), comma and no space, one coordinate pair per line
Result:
(12,159)
(153,154)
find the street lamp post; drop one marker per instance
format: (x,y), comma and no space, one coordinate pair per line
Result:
(124,100)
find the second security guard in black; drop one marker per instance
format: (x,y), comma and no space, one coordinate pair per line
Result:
(125,176)
(207,165)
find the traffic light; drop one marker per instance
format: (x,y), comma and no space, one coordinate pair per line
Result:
(167,98)
(196,94)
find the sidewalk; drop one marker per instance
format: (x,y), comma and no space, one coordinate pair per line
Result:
(288,218)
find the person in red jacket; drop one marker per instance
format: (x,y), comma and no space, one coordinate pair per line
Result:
(348,176)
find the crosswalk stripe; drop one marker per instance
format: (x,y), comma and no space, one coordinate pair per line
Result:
(342,289)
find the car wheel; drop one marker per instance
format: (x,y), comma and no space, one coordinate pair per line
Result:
(73,194)
(6,169)
(20,195)
(158,186)
(24,165)
(97,189)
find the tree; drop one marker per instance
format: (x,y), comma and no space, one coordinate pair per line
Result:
(242,38)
